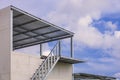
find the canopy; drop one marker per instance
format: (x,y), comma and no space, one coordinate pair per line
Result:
(29,30)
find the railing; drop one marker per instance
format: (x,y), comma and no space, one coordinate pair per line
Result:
(48,64)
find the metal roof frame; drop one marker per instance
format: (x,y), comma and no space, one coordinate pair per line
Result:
(45,33)
(91,76)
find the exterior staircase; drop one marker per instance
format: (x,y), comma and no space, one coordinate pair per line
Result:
(48,64)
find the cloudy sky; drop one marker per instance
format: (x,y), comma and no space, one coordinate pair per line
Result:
(96,24)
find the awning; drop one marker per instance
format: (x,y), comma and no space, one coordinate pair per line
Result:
(29,30)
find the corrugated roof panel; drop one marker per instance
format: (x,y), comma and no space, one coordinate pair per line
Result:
(30,30)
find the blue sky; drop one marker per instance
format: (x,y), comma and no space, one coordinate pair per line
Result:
(95,24)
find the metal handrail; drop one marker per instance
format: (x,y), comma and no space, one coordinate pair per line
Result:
(51,52)
(48,63)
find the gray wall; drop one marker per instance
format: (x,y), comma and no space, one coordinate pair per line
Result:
(24,65)
(62,71)
(5,43)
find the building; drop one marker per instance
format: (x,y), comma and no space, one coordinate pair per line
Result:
(85,76)
(19,29)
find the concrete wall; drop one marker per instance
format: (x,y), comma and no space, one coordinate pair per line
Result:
(5,43)
(23,65)
(62,71)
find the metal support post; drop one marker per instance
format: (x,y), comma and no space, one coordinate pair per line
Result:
(71,45)
(59,48)
(40,49)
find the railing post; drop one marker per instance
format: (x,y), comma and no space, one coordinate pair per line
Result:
(59,48)
(42,71)
(39,74)
(48,64)
(51,60)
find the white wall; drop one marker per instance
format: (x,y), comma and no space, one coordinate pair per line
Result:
(62,71)
(5,43)
(23,65)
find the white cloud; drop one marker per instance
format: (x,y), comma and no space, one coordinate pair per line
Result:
(87,34)
(105,59)
(99,66)
(78,15)
(117,75)
(117,34)
(45,49)
(111,26)
(85,21)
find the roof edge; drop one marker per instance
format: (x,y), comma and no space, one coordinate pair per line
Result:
(93,75)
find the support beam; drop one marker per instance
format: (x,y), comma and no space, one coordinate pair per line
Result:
(40,49)
(59,48)
(25,34)
(25,23)
(19,15)
(71,45)
(37,35)
(50,32)
(40,41)
(31,30)
(28,38)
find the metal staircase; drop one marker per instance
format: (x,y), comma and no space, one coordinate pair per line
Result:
(48,64)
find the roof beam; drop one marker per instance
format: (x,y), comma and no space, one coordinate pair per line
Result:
(18,15)
(31,21)
(50,32)
(25,34)
(41,41)
(31,30)
(37,35)
(34,30)
(26,38)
